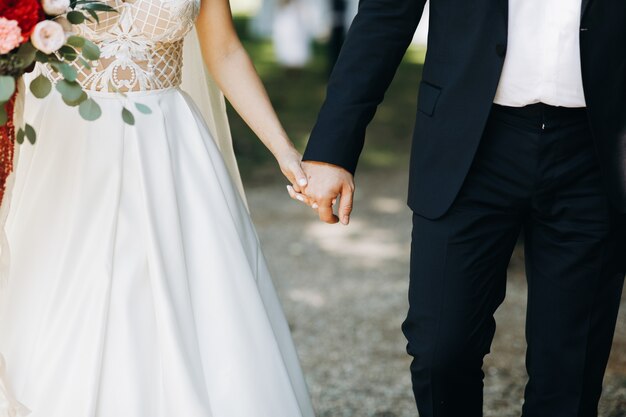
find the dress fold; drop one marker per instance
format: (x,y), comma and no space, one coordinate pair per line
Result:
(137,286)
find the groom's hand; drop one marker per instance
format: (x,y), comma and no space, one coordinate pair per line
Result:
(326,184)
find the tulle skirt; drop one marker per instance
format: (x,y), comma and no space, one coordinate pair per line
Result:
(136,286)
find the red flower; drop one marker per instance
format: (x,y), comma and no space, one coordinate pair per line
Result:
(27,13)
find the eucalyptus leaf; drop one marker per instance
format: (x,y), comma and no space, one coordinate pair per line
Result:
(76,41)
(19,136)
(26,53)
(128,117)
(7,88)
(90,50)
(53,59)
(4,117)
(31,135)
(68,72)
(68,53)
(90,110)
(41,57)
(84,63)
(75,17)
(143,108)
(70,90)
(75,103)
(41,86)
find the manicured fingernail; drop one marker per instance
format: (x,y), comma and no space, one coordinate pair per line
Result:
(345,221)
(302,182)
(300,198)
(315,205)
(289,188)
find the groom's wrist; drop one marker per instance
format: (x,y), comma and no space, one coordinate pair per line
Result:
(328,158)
(328,164)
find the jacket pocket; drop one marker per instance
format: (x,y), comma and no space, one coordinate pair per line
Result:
(427,98)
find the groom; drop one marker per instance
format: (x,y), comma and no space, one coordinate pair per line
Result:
(520,125)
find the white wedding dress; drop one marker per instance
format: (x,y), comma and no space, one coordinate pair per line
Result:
(136,286)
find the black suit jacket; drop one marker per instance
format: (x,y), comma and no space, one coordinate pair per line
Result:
(467,45)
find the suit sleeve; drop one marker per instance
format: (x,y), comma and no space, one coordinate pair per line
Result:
(374,47)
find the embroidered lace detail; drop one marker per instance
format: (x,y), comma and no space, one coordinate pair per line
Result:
(141,45)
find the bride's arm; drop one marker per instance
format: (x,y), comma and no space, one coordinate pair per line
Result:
(232,69)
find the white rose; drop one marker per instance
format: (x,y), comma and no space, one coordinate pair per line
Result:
(55,7)
(48,36)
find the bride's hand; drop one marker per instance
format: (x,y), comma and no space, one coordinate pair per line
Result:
(290,162)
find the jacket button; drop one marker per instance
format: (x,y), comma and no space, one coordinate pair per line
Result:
(501,50)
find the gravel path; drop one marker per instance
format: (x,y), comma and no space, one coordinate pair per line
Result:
(344,292)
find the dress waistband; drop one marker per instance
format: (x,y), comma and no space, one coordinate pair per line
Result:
(130,94)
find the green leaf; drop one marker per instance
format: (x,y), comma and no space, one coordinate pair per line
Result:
(75,103)
(7,88)
(90,110)
(31,135)
(143,108)
(84,63)
(91,52)
(19,137)
(98,7)
(75,17)
(128,117)
(68,72)
(68,53)
(41,57)
(4,117)
(52,59)
(94,15)
(26,53)
(41,86)
(70,90)
(76,41)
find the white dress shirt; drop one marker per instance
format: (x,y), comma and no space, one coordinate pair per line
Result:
(542,63)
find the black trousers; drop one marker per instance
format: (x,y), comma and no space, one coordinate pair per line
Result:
(537,171)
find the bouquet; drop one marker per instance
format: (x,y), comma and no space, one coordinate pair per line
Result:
(34,31)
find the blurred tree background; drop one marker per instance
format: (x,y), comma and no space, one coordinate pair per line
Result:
(297,97)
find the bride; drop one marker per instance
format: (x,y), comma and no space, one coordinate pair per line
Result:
(135,285)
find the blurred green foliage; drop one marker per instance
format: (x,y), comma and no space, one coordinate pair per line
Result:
(297,97)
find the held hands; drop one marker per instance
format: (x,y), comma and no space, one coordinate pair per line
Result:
(326,185)
(318,185)
(290,165)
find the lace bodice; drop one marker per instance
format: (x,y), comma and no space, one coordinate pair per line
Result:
(141,45)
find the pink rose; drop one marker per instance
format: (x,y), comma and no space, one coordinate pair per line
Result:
(55,7)
(48,36)
(10,35)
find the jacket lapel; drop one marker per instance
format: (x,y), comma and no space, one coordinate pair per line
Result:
(584,8)
(504,6)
